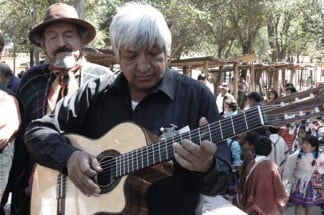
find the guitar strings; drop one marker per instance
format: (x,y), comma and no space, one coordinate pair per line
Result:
(147,154)
(126,163)
(156,149)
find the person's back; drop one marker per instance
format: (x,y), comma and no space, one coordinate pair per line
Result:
(262,177)
(280,150)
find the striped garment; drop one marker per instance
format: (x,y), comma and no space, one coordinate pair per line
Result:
(37,81)
(32,92)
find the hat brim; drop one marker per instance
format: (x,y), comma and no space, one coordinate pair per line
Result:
(35,35)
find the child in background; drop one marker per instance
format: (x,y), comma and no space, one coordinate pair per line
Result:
(235,148)
(249,140)
(230,109)
(302,134)
(302,176)
(263,191)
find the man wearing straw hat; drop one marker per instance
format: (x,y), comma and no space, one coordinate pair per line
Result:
(62,36)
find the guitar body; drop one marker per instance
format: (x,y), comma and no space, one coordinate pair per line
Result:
(125,197)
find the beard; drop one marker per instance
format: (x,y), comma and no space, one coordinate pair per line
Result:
(64,58)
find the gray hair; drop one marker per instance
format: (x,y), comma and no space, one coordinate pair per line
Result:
(139,25)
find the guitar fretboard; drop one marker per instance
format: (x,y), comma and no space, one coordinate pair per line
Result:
(163,150)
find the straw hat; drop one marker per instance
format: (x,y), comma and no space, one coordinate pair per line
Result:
(60,12)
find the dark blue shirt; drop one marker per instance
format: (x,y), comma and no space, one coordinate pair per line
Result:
(13,84)
(103,104)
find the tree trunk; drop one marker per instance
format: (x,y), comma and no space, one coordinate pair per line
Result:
(79,5)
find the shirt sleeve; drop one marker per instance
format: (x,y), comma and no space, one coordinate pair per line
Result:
(10,119)
(45,138)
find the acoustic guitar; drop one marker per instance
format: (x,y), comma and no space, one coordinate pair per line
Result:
(126,155)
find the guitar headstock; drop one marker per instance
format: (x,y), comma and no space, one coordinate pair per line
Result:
(311,107)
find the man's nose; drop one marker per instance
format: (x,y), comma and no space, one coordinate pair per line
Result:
(61,41)
(143,62)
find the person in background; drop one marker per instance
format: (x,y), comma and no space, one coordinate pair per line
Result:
(202,78)
(222,96)
(263,191)
(280,150)
(8,78)
(230,109)
(62,36)
(10,120)
(272,95)
(301,136)
(150,94)
(289,89)
(231,86)
(249,139)
(302,176)
(242,91)
(253,99)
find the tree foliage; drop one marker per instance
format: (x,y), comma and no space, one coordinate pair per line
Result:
(276,30)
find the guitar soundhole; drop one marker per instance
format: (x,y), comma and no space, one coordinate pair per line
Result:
(107,179)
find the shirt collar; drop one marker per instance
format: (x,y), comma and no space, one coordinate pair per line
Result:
(166,86)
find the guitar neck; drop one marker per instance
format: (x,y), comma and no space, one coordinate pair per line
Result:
(163,150)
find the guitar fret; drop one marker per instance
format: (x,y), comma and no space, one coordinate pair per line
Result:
(209,131)
(220,128)
(122,164)
(126,164)
(166,149)
(232,125)
(153,154)
(119,165)
(142,157)
(147,156)
(245,120)
(199,135)
(136,161)
(132,159)
(159,147)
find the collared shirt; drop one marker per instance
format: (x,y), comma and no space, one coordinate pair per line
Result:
(32,94)
(102,104)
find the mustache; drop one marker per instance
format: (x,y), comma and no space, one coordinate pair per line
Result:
(64,48)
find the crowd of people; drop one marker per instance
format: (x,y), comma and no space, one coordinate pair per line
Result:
(68,94)
(296,160)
